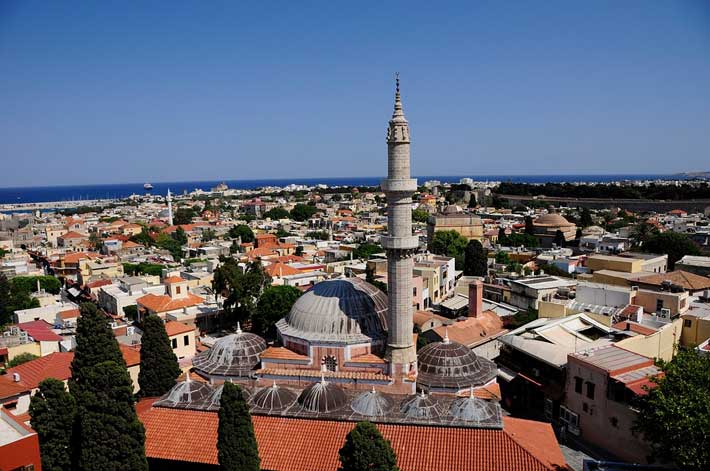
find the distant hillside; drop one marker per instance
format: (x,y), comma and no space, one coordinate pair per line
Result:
(695,174)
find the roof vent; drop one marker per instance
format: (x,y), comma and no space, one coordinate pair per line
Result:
(16,377)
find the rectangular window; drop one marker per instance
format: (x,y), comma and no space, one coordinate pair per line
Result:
(578,384)
(177,290)
(659,304)
(687,323)
(186,340)
(174,342)
(590,390)
(414,291)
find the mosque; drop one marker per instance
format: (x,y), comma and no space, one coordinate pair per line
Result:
(347,350)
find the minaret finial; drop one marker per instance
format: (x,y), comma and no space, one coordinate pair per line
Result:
(397,97)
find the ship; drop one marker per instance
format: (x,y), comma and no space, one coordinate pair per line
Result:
(147,186)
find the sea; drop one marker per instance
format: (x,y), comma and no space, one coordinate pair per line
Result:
(80,193)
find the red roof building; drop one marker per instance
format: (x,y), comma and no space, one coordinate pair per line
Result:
(19,446)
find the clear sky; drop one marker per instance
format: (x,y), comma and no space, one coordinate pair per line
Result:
(110,92)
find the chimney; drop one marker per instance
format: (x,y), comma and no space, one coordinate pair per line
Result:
(475,298)
(16,377)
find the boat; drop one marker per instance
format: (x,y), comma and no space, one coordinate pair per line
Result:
(147,186)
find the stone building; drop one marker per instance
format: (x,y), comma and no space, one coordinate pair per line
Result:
(452,219)
(547,225)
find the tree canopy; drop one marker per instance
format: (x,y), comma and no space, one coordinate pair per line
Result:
(302,212)
(183,215)
(277,213)
(449,243)
(585,218)
(674,244)
(420,215)
(159,365)
(366,450)
(675,415)
(236,443)
(52,414)
(475,259)
(243,231)
(241,289)
(366,250)
(275,302)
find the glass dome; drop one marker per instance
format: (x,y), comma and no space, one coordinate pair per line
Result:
(322,397)
(232,355)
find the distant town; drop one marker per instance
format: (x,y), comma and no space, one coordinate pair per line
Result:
(525,326)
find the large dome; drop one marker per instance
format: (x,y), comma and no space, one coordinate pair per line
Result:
(232,355)
(344,310)
(451,365)
(551,220)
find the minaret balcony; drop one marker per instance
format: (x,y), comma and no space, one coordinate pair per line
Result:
(399,185)
(400,243)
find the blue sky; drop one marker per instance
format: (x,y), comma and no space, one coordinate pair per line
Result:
(110,92)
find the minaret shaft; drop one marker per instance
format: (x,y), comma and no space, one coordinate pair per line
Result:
(399,242)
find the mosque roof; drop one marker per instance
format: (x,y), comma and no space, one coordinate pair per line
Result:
(233,355)
(551,220)
(452,365)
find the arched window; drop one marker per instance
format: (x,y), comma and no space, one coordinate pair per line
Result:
(330,363)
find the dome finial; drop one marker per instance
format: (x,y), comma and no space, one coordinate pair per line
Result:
(239,328)
(471,392)
(187,377)
(273,386)
(322,379)
(446,335)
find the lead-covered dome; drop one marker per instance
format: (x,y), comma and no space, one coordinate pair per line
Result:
(450,365)
(421,407)
(472,409)
(344,310)
(273,398)
(232,355)
(186,394)
(371,404)
(551,220)
(322,397)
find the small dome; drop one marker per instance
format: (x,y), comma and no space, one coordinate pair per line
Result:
(452,209)
(371,404)
(593,230)
(232,355)
(551,220)
(471,409)
(186,394)
(274,398)
(342,310)
(421,407)
(322,397)
(213,401)
(452,365)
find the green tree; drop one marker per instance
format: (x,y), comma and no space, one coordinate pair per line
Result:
(502,236)
(366,450)
(475,259)
(643,231)
(143,238)
(275,302)
(28,284)
(516,239)
(241,289)
(5,302)
(502,257)
(180,236)
(243,231)
(95,241)
(111,438)
(450,243)
(277,213)
(15,295)
(302,212)
(674,244)
(183,215)
(585,219)
(559,239)
(21,358)
(529,227)
(420,215)
(208,235)
(159,365)
(318,235)
(237,449)
(234,248)
(171,244)
(675,415)
(52,414)
(95,343)
(366,250)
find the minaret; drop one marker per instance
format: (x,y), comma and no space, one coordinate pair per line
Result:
(170,208)
(399,243)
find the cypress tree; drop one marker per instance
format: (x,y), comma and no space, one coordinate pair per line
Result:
(529,227)
(111,438)
(52,412)
(475,259)
(236,443)
(559,239)
(502,236)
(159,365)
(366,450)
(95,343)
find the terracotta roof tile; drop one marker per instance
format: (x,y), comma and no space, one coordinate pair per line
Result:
(287,444)
(282,353)
(177,328)
(131,355)
(366,358)
(327,374)
(164,303)
(55,365)
(173,279)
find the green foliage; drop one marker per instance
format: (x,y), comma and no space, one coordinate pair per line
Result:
(529,227)
(475,259)
(674,244)
(366,250)
(20,359)
(366,450)
(450,243)
(159,365)
(241,290)
(370,278)
(502,236)
(95,241)
(52,414)
(420,215)
(517,239)
(111,438)
(143,238)
(675,416)
(601,190)
(151,269)
(585,219)
(180,236)
(183,215)
(559,239)
(502,257)
(236,442)
(13,298)
(303,212)
(247,217)
(28,284)
(131,312)
(234,248)
(277,213)
(243,231)
(275,302)
(643,231)
(95,343)
(523,318)
(171,244)
(3,252)
(318,235)
(208,235)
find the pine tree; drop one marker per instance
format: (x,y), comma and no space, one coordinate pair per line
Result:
(95,343)
(159,365)
(366,450)
(111,438)
(585,219)
(52,413)
(236,443)
(475,259)
(529,227)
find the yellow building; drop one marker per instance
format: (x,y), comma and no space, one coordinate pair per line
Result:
(468,225)
(696,325)
(614,263)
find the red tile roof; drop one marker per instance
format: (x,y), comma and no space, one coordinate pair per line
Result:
(72,235)
(40,331)
(282,353)
(281,269)
(131,355)
(173,279)
(55,365)
(177,328)
(9,388)
(164,303)
(287,444)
